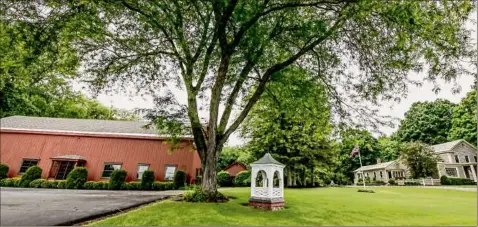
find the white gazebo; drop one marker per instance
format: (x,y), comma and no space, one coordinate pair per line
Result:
(267,183)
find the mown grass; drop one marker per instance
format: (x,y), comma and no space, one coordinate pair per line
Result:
(319,206)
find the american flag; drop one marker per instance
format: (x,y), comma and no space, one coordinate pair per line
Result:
(355,151)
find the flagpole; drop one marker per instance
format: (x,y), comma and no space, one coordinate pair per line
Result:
(363,176)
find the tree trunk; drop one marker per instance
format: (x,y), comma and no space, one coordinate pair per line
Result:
(294,179)
(312,180)
(289,178)
(209,181)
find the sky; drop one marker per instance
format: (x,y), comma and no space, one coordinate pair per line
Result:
(416,94)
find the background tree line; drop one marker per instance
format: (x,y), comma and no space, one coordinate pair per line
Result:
(276,125)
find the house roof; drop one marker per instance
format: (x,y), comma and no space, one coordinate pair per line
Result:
(267,159)
(443,147)
(82,126)
(382,165)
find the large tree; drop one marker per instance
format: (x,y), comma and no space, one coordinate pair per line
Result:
(221,51)
(292,121)
(420,159)
(427,122)
(463,122)
(368,147)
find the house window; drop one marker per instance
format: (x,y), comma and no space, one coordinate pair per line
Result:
(27,163)
(381,176)
(169,173)
(457,160)
(476,159)
(109,167)
(141,169)
(451,172)
(467,159)
(374,175)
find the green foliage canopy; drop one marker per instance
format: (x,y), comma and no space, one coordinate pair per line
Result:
(463,123)
(427,122)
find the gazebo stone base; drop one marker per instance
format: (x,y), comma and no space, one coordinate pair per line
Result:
(267,203)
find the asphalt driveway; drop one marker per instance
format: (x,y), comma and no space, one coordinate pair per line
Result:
(28,206)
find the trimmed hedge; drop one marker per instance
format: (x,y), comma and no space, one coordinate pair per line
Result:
(147,180)
(224,179)
(32,173)
(412,183)
(117,179)
(61,184)
(3,171)
(179,179)
(243,179)
(162,186)
(77,178)
(89,185)
(37,183)
(444,180)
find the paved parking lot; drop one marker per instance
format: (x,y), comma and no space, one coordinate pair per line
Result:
(28,206)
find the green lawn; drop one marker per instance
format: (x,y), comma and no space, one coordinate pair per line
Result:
(320,206)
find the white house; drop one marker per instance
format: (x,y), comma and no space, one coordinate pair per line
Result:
(382,171)
(459,160)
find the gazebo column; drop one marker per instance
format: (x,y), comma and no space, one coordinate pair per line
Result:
(253,181)
(281,183)
(270,180)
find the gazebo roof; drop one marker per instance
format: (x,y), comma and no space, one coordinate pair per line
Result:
(267,159)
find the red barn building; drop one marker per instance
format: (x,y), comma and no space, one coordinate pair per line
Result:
(235,168)
(57,145)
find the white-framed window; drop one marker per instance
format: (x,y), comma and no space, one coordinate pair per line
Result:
(109,168)
(457,160)
(467,159)
(476,159)
(381,176)
(141,169)
(170,171)
(451,172)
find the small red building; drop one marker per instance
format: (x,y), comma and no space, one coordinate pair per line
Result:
(57,145)
(235,168)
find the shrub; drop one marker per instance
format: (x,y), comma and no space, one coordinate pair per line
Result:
(444,180)
(77,178)
(224,179)
(379,182)
(117,179)
(243,179)
(162,186)
(53,184)
(3,171)
(195,196)
(61,184)
(46,184)
(198,180)
(89,185)
(147,180)
(179,179)
(392,182)
(98,185)
(412,183)
(32,173)
(36,183)
(133,186)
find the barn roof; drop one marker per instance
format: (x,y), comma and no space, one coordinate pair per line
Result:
(77,125)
